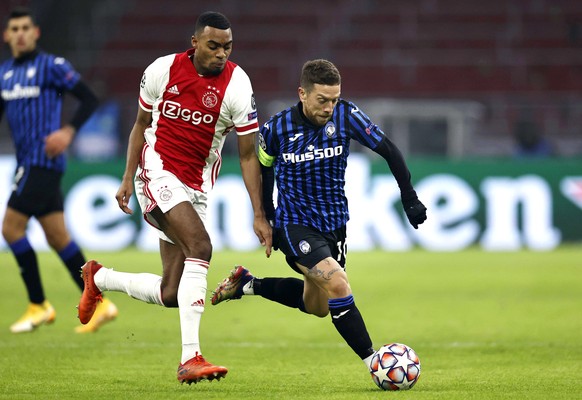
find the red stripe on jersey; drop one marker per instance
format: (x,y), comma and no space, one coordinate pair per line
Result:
(145,105)
(216,168)
(143,176)
(250,127)
(142,156)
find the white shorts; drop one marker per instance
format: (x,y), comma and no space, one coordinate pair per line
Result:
(162,189)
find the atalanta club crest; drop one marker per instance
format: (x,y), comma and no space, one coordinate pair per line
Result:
(30,72)
(304,247)
(329,129)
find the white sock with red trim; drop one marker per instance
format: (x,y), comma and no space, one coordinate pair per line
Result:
(143,286)
(191,299)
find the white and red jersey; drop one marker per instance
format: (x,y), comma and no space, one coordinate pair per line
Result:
(191,116)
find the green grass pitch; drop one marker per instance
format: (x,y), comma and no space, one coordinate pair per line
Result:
(485,326)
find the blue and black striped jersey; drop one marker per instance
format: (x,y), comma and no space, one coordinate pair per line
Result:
(32,89)
(310,163)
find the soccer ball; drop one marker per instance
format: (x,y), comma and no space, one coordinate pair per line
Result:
(395,366)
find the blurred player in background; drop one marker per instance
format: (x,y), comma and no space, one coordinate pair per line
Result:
(32,83)
(308,146)
(188,103)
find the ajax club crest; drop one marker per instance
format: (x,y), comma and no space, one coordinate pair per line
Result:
(209,99)
(165,193)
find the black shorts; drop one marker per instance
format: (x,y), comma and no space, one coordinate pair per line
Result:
(36,191)
(308,246)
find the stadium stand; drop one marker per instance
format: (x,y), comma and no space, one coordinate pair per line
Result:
(511,57)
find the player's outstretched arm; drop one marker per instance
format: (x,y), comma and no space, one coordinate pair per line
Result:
(414,209)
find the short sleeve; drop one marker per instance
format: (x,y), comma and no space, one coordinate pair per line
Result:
(362,128)
(241,103)
(63,74)
(151,86)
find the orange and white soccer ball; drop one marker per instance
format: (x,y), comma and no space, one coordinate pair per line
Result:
(395,366)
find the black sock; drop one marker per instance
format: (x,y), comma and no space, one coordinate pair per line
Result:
(73,259)
(28,263)
(349,323)
(286,291)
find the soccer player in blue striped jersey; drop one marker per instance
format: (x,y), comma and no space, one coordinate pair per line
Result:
(305,149)
(32,84)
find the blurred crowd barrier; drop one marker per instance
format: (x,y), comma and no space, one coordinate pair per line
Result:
(495,204)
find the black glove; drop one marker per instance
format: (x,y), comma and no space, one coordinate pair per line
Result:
(415,211)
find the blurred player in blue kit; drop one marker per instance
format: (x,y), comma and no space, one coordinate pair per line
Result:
(305,149)
(32,84)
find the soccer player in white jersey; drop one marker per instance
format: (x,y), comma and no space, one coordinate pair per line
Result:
(188,103)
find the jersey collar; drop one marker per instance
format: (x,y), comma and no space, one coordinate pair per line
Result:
(26,57)
(304,119)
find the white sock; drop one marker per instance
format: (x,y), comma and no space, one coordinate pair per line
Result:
(191,299)
(143,286)
(248,288)
(368,360)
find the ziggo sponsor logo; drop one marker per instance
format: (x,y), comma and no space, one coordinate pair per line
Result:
(173,110)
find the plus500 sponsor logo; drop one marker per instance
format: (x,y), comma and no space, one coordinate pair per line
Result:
(316,154)
(174,110)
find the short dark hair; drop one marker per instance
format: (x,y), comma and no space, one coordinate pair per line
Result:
(322,72)
(19,12)
(213,19)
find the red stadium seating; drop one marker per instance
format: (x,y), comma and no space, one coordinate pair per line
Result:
(513,53)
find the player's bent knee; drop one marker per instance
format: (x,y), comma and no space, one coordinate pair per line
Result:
(170,298)
(318,311)
(317,305)
(338,288)
(10,234)
(58,243)
(201,250)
